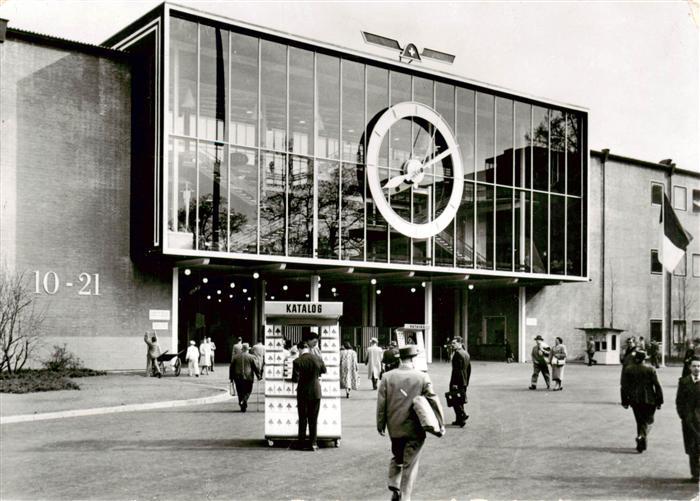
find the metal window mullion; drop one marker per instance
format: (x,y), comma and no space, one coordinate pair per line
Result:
(411,196)
(259,154)
(549,191)
(430,244)
(196,135)
(364,178)
(227,129)
(495,173)
(340,147)
(288,158)
(566,192)
(314,127)
(512,193)
(475,252)
(388,167)
(454,221)
(530,262)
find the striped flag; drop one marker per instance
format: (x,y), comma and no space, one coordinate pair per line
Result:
(674,238)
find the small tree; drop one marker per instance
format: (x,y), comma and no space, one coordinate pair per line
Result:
(19,322)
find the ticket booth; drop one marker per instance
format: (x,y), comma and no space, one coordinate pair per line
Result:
(414,334)
(607,343)
(281,417)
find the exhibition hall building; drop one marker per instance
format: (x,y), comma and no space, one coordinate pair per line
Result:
(193,167)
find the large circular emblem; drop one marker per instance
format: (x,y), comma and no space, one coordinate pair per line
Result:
(430,168)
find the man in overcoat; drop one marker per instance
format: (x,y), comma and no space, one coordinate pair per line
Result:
(374,362)
(152,353)
(306,369)
(540,357)
(640,388)
(390,358)
(459,379)
(243,370)
(395,413)
(688,408)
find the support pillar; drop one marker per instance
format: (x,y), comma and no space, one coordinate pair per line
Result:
(522,324)
(372,305)
(259,308)
(174,312)
(428,320)
(314,281)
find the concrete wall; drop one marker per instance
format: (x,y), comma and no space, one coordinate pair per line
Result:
(65,167)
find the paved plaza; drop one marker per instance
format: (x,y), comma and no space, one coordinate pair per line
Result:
(517,444)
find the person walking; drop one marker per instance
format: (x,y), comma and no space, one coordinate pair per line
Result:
(395,413)
(654,353)
(152,354)
(390,358)
(590,350)
(212,349)
(237,347)
(192,359)
(374,362)
(242,372)
(540,357)
(348,369)
(204,356)
(306,369)
(688,409)
(627,355)
(258,351)
(557,359)
(459,379)
(640,389)
(692,352)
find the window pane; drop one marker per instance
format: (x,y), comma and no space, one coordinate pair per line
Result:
(657,193)
(523,134)
(680,198)
(557,236)
(680,268)
(504,141)
(400,139)
(244,90)
(485,139)
(422,251)
(423,91)
(444,245)
(400,244)
(655,330)
(353,111)
(539,232)
(656,266)
(465,228)
(272,203)
(243,197)
(465,129)
(484,228)
(557,167)
(352,213)
(273,87)
(183,77)
(696,265)
(540,121)
(328,110)
(573,156)
(213,80)
(573,237)
(445,102)
(212,207)
(182,193)
(301,206)
(301,100)
(328,209)
(522,230)
(504,228)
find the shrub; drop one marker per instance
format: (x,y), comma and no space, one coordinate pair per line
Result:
(62,360)
(20,323)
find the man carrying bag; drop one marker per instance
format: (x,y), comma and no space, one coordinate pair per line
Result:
(459,380)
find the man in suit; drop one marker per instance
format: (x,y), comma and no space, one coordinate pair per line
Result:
(395,413)
(374,362)
(640,388)
(237,347)
(306,369)
(390,358)
(540,357)
(688,408)
(590,350)
(152,353)
(243,370)
(459,380)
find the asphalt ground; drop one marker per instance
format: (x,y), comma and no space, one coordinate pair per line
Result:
(518,444)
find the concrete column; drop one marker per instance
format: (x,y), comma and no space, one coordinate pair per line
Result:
(465,315)
(372,305)
(259,309)
(365,306)
(522,324)
(174,312)
(428,320)
(313,287)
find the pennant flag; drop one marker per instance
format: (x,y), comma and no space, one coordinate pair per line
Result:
(674,238)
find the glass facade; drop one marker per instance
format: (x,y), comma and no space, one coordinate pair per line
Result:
(266,146)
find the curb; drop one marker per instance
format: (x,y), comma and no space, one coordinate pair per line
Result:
(23,418)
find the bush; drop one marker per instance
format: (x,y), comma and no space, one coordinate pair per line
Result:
(30,381)
(62,360)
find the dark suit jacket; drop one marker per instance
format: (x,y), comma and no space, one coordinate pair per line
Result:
(306,370)
(688,408)
(461,368)
(639,385)
(244,366)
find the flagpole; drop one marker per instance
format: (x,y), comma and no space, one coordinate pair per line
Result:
(663,288)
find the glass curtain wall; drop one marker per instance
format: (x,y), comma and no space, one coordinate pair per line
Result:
(266,144)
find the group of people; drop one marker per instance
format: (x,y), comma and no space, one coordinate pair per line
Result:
(544,356)
(247,363)
(200,360)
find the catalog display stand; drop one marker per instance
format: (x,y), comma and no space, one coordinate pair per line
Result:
(281,416)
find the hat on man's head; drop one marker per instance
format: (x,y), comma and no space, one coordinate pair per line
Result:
(245,347)
(640,355)
(373,340)
(539,338)
(192,342)
(408,351)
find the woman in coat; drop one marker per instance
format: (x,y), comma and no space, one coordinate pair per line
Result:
(348,369)
(204,356)
(558,360)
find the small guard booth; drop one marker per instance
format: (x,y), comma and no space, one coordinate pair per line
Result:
(281,416)
(416,333)
(607,343)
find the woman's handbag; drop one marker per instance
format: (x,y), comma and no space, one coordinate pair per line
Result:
(558,361)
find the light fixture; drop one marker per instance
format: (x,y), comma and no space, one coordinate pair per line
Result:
(379,291)
(272,298)
(285,287)
(307,295)
(219,300)
(256,275)
(218,291)
(208,297)
(249,298)
(230,296)
(232,285)
(471,286)
(188,272)
(373,281)
(319,286)
(422,284)
(245,290)
(413,289)
(205,280)
(333,289)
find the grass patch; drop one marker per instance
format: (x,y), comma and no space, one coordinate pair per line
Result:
(35,380)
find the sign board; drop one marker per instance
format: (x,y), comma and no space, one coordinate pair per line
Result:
(531,321)
(159,315)
(160,326)
(318,309)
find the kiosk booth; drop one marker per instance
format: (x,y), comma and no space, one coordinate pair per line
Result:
(607,343)
(281,416)
(415,333)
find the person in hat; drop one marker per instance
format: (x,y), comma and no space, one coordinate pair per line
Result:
(242,372)
(192,359)
(348,368)
(395,397)
(688,409)
(390,357)
(152,353)
(640,389)
(540,357)
(306,369)
(459,379)
(373,360)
